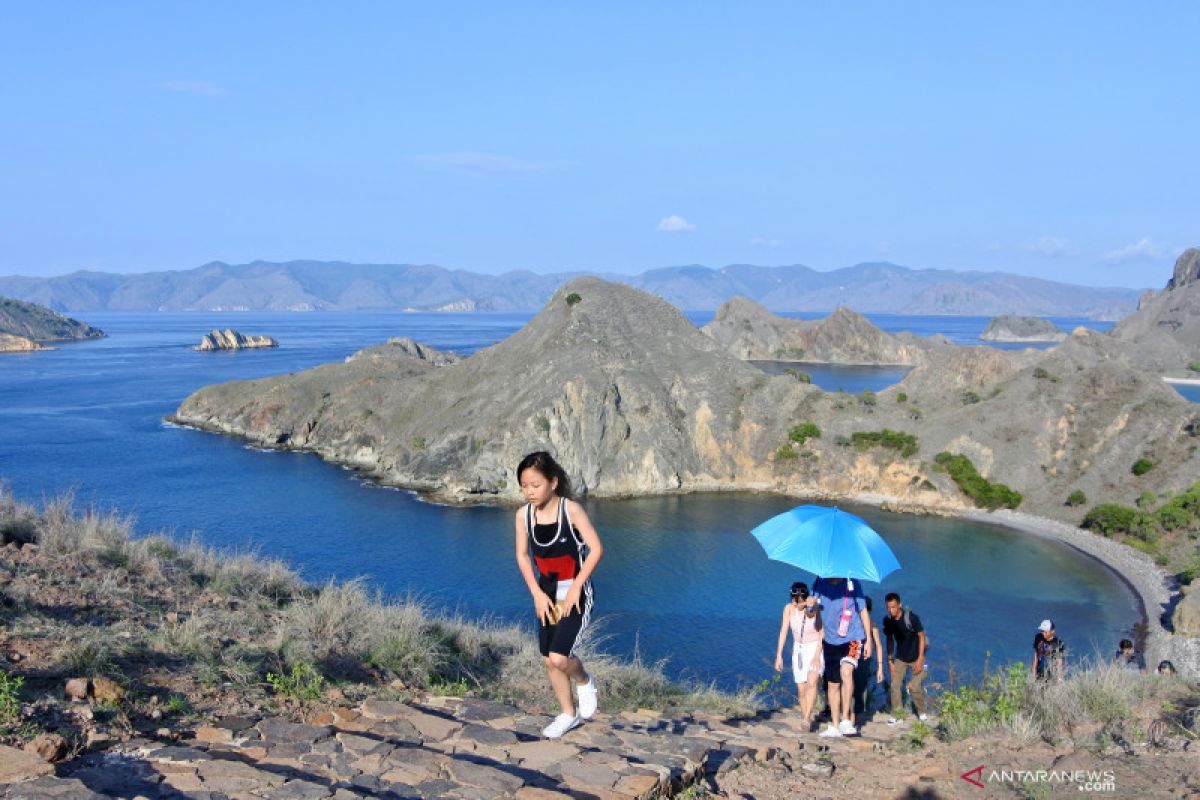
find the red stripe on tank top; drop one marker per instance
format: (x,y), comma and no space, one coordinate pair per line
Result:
(563,565)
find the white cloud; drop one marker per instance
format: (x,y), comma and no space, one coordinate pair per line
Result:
(1050,247)
(675,224)
(1141,250)
(765,241)
(484,163)
(206,88)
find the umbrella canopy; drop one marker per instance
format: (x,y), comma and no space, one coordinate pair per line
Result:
(828,543)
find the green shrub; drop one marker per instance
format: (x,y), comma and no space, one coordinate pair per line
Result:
(10,698)
(1172,517)
(803,432)
(1194,366)
(786,453)
(1191,571)
(1147,499)
(176,704)
(992,704)
(982,492)
(1142,466)
(901,397)
(303,683)
(573,298)
(970,398)
(1111,518)
(1043,375)
(868,398)
(418,442)
(1076,498)
(906,443)
(803,377)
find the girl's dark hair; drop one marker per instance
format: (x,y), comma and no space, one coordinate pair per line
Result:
(544,463)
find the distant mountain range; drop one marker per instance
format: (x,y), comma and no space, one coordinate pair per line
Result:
(339,286)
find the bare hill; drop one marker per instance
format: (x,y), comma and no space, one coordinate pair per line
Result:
(748,330)
(636,400)
(31,321)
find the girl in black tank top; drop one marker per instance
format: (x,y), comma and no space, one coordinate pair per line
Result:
(565,550)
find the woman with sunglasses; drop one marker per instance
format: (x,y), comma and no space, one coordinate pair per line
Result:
(801,617)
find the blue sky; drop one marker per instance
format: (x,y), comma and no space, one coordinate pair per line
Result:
(1051,139)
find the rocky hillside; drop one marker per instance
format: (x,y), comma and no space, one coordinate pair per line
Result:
(1012,328)
(627,391)
(747,330)
(1165,331)
(31,321)
(636,400)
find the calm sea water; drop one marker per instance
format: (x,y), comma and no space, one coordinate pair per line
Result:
(682,579)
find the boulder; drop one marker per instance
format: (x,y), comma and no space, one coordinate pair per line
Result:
(50,747)
(19,765)
(76,689)
(1186,618)
(107,690)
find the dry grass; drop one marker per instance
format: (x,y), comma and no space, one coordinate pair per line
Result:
(239,616)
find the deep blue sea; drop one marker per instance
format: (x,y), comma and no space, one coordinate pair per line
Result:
(682,579)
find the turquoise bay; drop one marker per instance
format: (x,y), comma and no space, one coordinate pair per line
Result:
(682,578)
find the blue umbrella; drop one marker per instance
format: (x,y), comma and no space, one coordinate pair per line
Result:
(828,543)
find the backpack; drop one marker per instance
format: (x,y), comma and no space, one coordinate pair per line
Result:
(908,626)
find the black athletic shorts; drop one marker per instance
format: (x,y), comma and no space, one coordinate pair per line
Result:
(560,637)
(836,654)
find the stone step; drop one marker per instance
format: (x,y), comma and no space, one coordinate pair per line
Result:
(444,747)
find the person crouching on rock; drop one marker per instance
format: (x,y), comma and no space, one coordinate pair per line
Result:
(800,615)
(566,550)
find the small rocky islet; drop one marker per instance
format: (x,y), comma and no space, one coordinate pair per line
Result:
(229,339)
(1012,328)
(28,326)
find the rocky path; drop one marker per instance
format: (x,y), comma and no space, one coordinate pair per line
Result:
(444,748)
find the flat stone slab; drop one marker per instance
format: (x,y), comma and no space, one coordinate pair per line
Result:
(475,710)
(462,771)
(486,734)
(282,731)
(48,788)
(17,765)
(384,709)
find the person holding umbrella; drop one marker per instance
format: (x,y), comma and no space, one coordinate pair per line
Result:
(846,621)
(827,541)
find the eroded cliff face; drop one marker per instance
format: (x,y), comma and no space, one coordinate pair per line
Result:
(17,344)
(747,330)
(634,399)
(1165,331)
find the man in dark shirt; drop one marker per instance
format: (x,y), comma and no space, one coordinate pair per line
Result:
(1049,653)
(905,637)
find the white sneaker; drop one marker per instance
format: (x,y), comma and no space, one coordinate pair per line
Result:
(846,728)
(892,720)
(923,717)
(587,698)
(830,731)
(561,724)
